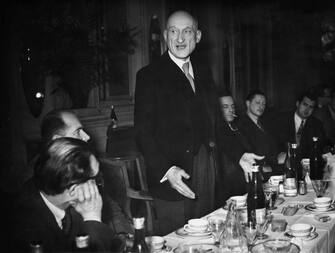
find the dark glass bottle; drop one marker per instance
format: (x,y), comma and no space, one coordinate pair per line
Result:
(82,243)
(36,247)
(256,198)
(113,117)
(290,177)
(139,238)
(316,163)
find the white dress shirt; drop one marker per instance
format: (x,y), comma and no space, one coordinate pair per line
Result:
(56,211)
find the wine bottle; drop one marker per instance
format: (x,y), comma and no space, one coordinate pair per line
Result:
(36,247)
(290,177)
(256,202)
(113,117)
(316,163)
(82,243)
(139,238)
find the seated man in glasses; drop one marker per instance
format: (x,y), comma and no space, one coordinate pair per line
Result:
(62,202)
(233,152)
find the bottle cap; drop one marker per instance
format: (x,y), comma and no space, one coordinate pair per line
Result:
(294,145)
(255,168)
(138,222)
(36,246)
(82,241)
(315,138)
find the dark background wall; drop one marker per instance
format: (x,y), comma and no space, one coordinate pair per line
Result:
(270,45)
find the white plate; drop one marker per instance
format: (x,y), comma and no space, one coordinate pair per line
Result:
(188,229)
(312,208)
(183,232)
(311,236)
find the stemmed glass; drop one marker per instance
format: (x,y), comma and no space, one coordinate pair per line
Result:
(262,227)
(320,187)
(271,194)
(216,227)
(250,232)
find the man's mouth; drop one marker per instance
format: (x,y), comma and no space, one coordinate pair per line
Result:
(180,47)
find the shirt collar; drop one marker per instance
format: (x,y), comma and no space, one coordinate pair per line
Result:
(297,121)
(180,63)
(56,211)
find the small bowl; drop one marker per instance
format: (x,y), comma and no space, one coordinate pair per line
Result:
(239,200)
(277,245)
(322,201)
(301,229)
(155,242)
(197,224)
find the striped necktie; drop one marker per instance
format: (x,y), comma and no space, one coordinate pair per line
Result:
(188,75)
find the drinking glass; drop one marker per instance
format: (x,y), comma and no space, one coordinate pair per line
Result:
(216,227)
(262,227)
(250,232)
(320,187)
(271,194)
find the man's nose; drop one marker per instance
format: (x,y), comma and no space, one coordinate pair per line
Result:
(84,136)
(180,37)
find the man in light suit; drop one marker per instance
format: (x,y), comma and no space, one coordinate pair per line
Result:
(63,202)
(176,110)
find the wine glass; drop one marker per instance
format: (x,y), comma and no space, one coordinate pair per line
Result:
(320,187)
(262,226)
(216,226)
(250,232)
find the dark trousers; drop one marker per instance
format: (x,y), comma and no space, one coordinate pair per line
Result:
(172,215)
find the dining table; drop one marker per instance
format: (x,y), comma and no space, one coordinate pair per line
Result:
(325,229)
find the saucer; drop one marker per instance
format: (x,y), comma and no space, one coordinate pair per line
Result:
(190,230)
(311,236)
(183,232)
(312,208)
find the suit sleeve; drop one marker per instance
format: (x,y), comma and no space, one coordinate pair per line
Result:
(144,121)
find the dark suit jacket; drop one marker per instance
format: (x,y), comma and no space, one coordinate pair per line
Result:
(286,133)
(31,220)
(164,131)
(232,145)
(262,142)
(324,115)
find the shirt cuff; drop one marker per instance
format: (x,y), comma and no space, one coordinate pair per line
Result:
(164,178)
(90,217)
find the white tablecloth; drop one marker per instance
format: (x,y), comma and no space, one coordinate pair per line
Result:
(325,241)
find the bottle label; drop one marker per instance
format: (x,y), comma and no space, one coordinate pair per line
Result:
(138,223)
(290,183)
(290,187)
(260,215)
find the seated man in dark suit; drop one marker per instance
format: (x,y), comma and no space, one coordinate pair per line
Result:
(258,133)
(235,161)
(64,188)
(299,126)
(326,115)
(65,123)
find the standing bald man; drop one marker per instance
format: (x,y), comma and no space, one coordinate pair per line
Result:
(176,110)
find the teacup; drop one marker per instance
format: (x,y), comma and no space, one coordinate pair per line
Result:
(322,202)
(197,225)
(155,242)
(275,180)
(239,200)
(302,229)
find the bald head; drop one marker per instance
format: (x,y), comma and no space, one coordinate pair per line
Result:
(182,15)
(181,34)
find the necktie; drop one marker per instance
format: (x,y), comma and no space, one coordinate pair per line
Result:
(299,132)
(187,74)
(66,221)
(260,125)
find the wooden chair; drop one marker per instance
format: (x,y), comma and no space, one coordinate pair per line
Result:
(121,153)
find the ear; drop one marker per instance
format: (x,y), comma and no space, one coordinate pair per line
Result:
(297,104)
(247,103)
(56,136)
(198,36)
(165,35)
